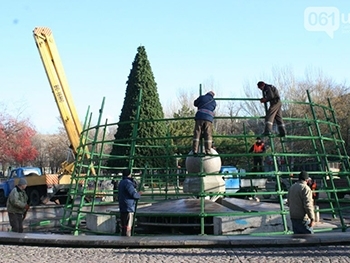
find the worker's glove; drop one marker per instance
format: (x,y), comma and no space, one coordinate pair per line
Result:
(26,207)
(263,100)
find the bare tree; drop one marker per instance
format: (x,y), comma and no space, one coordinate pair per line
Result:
(53,150)
(297,111)
(185,98)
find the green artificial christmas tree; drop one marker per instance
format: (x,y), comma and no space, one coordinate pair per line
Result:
(150,136)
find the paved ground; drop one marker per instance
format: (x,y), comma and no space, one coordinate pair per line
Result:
(333,247)
(27,247)
(15,253)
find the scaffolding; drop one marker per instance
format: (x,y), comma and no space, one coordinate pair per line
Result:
(320,150)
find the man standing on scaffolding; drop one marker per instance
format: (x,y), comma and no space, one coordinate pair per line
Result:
(206,105)
(274,112)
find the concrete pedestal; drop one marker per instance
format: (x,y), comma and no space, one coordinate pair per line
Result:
(211,184)
(225,225)
(209,164)
(101,223)
(248,224)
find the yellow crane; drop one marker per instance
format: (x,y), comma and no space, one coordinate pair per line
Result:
(54,70)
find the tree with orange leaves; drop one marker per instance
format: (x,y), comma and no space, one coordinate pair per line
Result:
(16,141)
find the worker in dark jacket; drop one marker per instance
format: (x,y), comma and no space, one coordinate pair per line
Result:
(17,206)
(258,147)
(204,117)
(127,196)
(274,112)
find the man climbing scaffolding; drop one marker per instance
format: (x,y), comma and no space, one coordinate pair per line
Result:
(274,112)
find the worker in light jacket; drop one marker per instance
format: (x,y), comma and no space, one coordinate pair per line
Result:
(17,206)
(301,205)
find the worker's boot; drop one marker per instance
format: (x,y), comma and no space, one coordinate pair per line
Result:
(282,130)
(207,146)
(268,129)
(195,145)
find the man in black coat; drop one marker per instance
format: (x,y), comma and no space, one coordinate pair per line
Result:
(274,112)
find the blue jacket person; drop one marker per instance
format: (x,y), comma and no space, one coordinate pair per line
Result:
(204,117)
(127,196)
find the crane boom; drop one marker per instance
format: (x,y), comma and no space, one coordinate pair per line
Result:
(54,70)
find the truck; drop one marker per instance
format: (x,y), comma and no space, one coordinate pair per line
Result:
(53,187)
(40,187)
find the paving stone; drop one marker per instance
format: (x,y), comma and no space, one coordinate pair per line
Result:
(25,254)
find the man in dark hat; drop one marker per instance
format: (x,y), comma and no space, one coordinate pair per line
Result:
(127,196)
(17,205)
(258,147)
(301,206)
(204,122)
(274,112)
